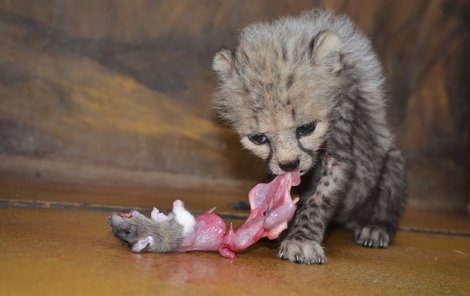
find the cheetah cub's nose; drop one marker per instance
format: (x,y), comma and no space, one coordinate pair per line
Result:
(290,165)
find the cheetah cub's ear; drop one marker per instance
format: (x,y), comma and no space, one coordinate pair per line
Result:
(325,49)
(223,64)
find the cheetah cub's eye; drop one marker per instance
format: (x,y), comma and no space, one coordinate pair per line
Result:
(258,139)
(306,129)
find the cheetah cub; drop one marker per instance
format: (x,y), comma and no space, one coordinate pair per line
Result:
(306,93)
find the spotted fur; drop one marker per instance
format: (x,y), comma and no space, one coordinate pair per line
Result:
(306,93)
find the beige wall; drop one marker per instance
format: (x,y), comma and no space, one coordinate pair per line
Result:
(126,85)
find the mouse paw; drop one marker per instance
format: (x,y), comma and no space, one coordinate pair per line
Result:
(183,217)
(158,216)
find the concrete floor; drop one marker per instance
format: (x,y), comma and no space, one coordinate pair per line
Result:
(72,252)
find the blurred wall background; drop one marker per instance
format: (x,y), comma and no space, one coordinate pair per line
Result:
(92,89)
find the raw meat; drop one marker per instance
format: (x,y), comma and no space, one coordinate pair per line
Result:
(271,209)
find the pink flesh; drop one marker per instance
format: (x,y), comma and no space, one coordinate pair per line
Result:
(207,235)
(271,208)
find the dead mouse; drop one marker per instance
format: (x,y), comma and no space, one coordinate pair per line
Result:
(147,235)
(271,209)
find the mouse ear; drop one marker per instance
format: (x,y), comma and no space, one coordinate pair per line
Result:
(143,244)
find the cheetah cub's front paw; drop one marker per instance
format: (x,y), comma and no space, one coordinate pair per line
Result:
(372,237)
(307,252)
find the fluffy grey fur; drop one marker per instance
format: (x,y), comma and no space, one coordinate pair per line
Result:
(306,93)
(145,235)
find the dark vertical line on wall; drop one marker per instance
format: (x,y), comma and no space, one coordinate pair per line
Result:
(468,163)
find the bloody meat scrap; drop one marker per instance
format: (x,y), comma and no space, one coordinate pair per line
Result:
(271,208)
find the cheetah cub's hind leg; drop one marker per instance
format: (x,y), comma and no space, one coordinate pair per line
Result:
(378,223)
(371,236)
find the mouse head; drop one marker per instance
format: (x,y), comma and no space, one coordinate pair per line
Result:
(133,229)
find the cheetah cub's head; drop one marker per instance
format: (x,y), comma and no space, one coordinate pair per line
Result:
(277,90)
